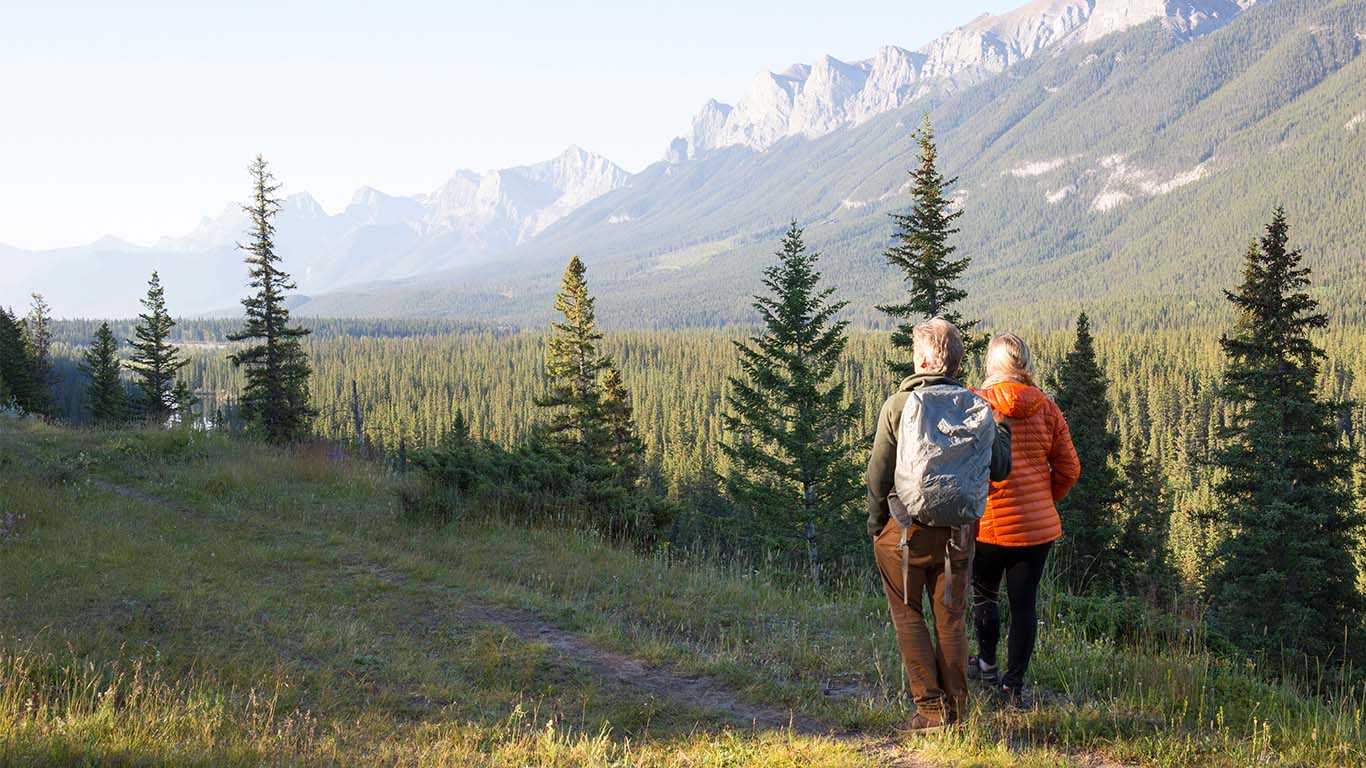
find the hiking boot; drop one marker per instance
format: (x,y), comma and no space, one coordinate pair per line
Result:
(1013,697)
(922,724)
(982,672)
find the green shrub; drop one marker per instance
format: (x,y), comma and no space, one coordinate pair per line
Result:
(532,484)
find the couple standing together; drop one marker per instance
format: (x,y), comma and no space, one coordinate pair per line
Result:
(963,488)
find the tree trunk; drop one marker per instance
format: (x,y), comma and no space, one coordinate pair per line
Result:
(812,554)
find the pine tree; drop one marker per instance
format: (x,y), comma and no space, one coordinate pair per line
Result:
(155,361)
(275,400)
(105,397)
(1088,512)
(38,337)
(454,462)
(923,252)
(790,469)
(1285,578)
(17,367)
(185,402)
(624,449)
(1143,552)
(39,330)
(573,366)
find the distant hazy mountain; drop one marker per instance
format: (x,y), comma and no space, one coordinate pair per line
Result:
(1123,173)
(377,236)
(380,236)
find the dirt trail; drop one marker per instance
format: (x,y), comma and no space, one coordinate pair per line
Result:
(700,693)
(696,692)
(142,496)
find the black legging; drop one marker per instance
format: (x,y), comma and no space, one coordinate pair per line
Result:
(1023,569)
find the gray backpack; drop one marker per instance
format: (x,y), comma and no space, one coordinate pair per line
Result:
(943,457)
(943,465)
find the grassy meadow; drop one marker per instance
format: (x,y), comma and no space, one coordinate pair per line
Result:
(189,599)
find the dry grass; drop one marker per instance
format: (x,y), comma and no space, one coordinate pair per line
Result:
(296,618)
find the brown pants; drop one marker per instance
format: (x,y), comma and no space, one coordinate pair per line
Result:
(938,675)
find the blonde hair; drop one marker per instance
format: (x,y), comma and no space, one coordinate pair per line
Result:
(1008,359)
(937,347)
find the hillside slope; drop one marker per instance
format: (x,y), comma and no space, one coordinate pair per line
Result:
(185,599)
(1131,169)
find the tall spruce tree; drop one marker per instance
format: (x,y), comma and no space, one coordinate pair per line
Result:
(623,445)
(105,396)
(923,252)
(790,469)
(155,361)
(1089,512)
(17,367)
(573,366)
(275,400)
(1285,577)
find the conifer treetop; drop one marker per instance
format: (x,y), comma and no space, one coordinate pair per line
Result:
(573,366)
(922,249)
(267,316)
(154,360)
(39,329)
(276,397)
(105,398)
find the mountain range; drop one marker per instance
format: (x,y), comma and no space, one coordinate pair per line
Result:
(1108,154)
(469,218)
(813,99)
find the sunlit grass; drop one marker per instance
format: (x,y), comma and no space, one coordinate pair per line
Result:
(283,611)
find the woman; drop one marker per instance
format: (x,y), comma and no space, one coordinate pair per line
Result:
(1021,522)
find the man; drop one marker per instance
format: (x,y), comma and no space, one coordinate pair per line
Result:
(932,559)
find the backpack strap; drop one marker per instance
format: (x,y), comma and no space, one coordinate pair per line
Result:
(961,531)
(948,569)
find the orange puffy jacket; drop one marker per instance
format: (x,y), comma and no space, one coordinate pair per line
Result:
(1043,468)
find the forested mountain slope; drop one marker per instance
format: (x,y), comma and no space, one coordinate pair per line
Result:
(1123,175)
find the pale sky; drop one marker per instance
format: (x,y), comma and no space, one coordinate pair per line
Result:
(137,118)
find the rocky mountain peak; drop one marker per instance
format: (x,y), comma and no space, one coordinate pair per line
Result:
(811,100)
(302,204)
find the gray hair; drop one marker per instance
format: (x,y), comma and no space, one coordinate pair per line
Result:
(937,347)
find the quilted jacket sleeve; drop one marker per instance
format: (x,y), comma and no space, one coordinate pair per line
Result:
(1062,457)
